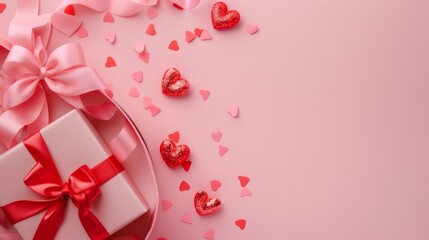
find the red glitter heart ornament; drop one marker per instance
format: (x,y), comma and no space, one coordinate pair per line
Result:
(222,18)
(204,205)
(174,155)
(173,85)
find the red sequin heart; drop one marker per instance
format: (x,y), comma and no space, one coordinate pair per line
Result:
(174,155)
(173,85)
(204,205)
(222,18)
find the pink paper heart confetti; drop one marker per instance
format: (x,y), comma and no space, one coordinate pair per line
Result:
(166,205)
(134,92)
(205,94)
(151,13)
(233,111)
(215,184)
(154,110)
(245,192)
(82,32)
(184,186)
(174,136)
(187,218)
(144,56)
(65,23)
(174,46)
(110,62)
(138,76)
(139,48)
(209,234)
(108,17)
(243,180)
(147,102)
(205,35)
(223,150)
(110,37)
(252,29)
(150,30)
(216,136)
(189,36)
(241,223)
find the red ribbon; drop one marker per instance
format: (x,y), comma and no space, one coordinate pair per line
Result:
(82,188)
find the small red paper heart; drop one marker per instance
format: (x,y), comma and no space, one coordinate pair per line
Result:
(110,62)
(174,155)
(174,46)
(187,165)
(204,205)
(215,184)
(243,180)
(173,85)
(222,18)
(189,36)
(2,7)
(174,136)
(69,10)
(184,186)
(198,32)
(241,223)
(150,30)
(108,17)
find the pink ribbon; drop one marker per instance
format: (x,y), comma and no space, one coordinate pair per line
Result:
(29,74)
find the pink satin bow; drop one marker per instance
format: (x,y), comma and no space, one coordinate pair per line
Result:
(29,74)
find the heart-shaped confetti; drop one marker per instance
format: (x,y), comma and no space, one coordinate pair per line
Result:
(184,186)
(241,223)
(144,56)
(151,13)
(110,37)
(216,136)
(138,76)
(174,155)
(110,62)
(187,165)
(173,85)
(223,150)
(154,110)
(233,111)
(198,32)
(147,102)
(205,35)
(82,32)
(189,36)
(205,205)
(65,23)
(187,218)
(68,10)
(139,48)
(2,7)
(209,234)
(174,46)
(108,17)
(252,29)
(243,180)
(245,192)
(166,205)
(150,30)
(174,136)
(205,94)
(215,184)
(134,92)
(222,18)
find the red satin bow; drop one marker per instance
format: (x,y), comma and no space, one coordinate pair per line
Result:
(82,188)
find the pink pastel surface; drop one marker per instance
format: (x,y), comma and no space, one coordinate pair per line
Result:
(333,126)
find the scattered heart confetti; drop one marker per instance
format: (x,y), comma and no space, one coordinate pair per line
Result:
(110,37)
(187,218)
(66,24)
(68,10)
(216,136)
(174,46)
(245,192)
(187,165)
(215,184)
(144,56)
(139,48)
(173,85)
(189,36)
(2,7)
(243,180)
(108,17)
(138,76)
(241,223)
(166,205)
(151,13)
(147,102)
(209,234)
(205,35)
(110,62)
(205,94)
(184,186)
(205,205)
(252,29)
(82,32)
(154,110)
(198,32)
(150,30)
(233,111)
(134,92)
(223,150)
(174,155)
(222,18)
(174,136)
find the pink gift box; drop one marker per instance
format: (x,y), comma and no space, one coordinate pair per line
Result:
(72,142)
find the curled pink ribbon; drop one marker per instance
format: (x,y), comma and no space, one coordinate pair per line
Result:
(27,77)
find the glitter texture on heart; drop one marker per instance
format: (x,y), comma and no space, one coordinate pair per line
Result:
(173,85)
(173,155)
(222,18)
(204,205)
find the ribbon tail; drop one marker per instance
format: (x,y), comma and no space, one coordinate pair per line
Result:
(20,210)
(51,221)
(92,225)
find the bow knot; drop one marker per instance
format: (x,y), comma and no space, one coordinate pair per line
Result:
(42,73)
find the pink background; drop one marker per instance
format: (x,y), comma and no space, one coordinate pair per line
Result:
(333,127)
